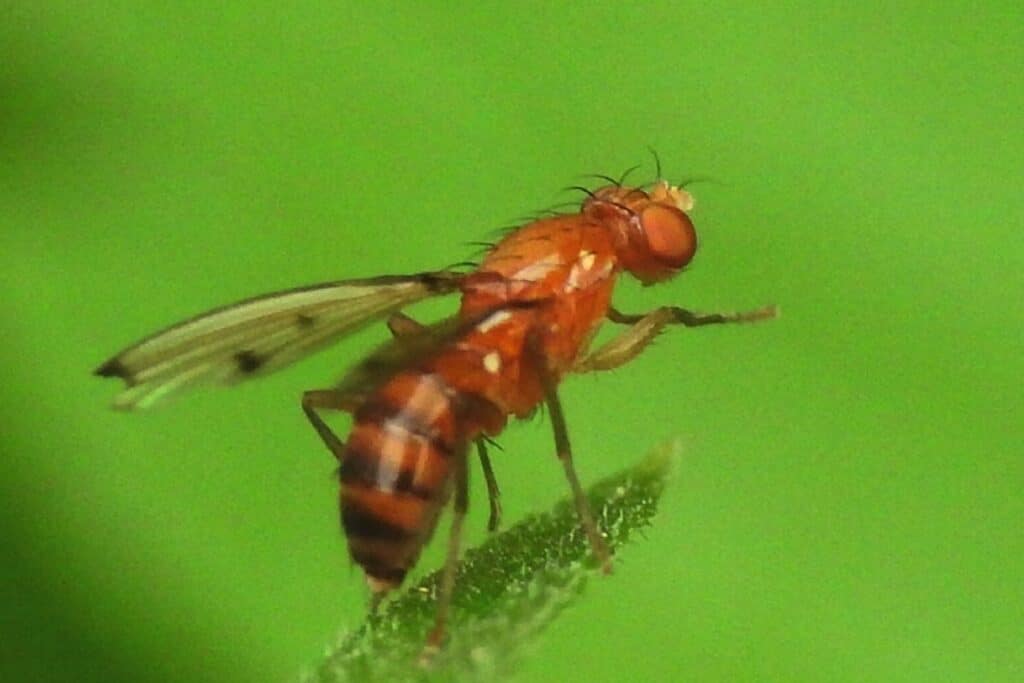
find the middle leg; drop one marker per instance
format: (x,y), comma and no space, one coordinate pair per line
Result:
(564,451)
(493,493)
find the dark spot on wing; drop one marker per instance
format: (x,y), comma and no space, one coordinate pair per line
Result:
(113,368)
(305,321)
(249,362)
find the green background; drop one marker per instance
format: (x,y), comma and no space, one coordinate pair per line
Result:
(849,504)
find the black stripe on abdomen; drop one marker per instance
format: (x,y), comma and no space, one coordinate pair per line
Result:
(395,473)
(367,524)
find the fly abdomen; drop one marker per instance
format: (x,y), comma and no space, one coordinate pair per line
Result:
(395,474)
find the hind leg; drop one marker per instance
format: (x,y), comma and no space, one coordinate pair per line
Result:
(444,598)
(327,399)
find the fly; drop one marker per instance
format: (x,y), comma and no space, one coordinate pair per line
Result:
(419,402)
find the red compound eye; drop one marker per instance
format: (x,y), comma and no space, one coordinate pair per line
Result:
(670,235)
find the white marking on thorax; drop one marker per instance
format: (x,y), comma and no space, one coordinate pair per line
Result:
(581,270)
(538,270)
(492,362)
(492,321)
(587,259)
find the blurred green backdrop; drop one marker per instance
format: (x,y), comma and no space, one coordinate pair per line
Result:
(849,506)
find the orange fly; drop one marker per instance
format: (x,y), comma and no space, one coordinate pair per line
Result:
(528,314)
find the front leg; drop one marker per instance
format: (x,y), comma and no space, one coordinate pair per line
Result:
(644,328)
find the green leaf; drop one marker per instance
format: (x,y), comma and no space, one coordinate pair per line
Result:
(506,591)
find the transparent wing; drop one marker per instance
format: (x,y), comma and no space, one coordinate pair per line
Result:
(257,336)
(411,348)
(397,354)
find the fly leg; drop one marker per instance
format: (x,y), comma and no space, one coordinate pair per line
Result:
(402,325)
(327,399)
(332,399)
(564,450)
(444,598)
(644,328)
(493,493)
